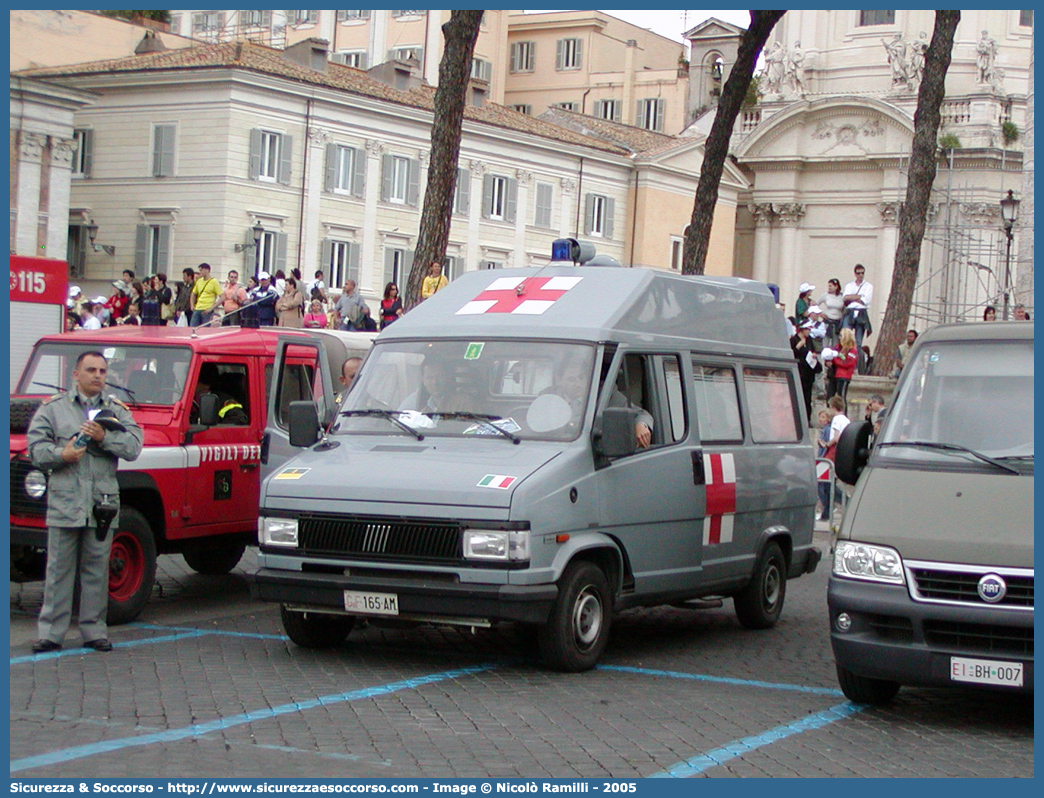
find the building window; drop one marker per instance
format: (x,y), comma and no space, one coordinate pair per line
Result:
(207,21)
(568,54)
(408,13)
(545,194)
(163,150)
(876,17)
(650,114)
(608,109)
(1026,19)
(397,265)
(568,106)
(302,17)
(83,158)
(345,16)
(345,170)
(523,109)
(499,195)
(352,58)
(491,264)
(598,215)
(270,156)
(407,53)
(400,180)
(255,19)
(152,248)
(76,250)
(451,269)
(677,251)
(340,261)
(481,69)
(270,254)
(522,56)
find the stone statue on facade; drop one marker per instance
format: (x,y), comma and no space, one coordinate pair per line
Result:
(917,49)
(896,50)
(794,70)
(985,57)
(774,69)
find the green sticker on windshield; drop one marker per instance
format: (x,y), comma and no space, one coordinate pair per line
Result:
(474,351)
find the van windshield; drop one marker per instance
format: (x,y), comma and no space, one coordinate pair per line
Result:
(978,396)
(149,375)
(533,390)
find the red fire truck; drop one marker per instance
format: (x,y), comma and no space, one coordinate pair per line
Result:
(194,489)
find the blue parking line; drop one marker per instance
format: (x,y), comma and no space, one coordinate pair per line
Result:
(700,677)
(255,635)
(79,652)
(200,729)
(737,748)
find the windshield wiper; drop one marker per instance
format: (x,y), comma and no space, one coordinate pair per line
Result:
(129,392)
(484,418)
(49,385)
(951,447)
(391,415)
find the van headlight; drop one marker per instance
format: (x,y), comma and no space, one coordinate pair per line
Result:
(867,561)
(492,544)
(35,484)
(277,532)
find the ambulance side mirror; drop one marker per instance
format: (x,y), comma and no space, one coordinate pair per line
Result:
(304,423)
(614,432)
(853,451)
(208,409)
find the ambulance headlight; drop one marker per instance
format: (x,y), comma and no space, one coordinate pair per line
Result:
(866,561)
(496,545)
(277,532)
(35,484)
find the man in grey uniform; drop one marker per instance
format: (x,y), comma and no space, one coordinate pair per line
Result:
(81,457)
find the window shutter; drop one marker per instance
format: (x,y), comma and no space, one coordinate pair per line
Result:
(588,214)
(639,117)
(249,263)
(462,194)
(559,53)
(141,248)
(386,177)
(364,59)
(579,61)
(364,14)
(255,154)
(221,21)
(544,197)
(413,193)
(266,18)
(358,172)
(512,200)
(88,152)
(487,195)
(326,258)
(353,262)
(341,16)
(658,124)
(163,153)
(162,249)
(286,151)
(610,210)
(389,265)
(280,253)
(514,58)
(330,180)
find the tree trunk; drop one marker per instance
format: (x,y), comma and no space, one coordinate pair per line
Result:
(914,210)
(450,98)
(716,149)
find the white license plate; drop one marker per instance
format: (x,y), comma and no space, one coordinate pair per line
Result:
(986,671)
(371,603)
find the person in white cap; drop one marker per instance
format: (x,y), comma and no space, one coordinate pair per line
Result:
(117,303)
(803,301)
(265,298)
(808,363)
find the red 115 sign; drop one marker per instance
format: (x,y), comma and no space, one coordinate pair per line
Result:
(40,280)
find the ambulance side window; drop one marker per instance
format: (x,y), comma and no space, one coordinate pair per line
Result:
(675,398)
(717,404)
(770,399)
(652,384)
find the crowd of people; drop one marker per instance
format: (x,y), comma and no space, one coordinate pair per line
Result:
(284,300)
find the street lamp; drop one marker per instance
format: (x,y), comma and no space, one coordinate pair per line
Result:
(258,230)
(1009,214)
(92,233)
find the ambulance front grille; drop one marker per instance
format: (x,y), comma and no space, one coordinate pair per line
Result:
(383,538)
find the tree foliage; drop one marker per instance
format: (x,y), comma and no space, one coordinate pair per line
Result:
(914,210)
(460,33)
(138,16)
(716,149)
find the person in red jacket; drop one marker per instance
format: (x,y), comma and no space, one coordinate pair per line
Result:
(117,303)
(845,362)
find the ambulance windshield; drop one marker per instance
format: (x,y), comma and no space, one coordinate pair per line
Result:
(533,390)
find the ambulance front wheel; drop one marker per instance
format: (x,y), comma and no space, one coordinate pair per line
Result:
(578,628)
(132,567)
(315,629)
(760,603)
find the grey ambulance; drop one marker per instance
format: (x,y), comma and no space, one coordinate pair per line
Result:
(932,580)
(545,446)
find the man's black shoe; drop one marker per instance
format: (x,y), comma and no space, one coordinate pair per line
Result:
(44,646)
(101,644)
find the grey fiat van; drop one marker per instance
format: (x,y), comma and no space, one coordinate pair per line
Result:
(932,580)
(544,446)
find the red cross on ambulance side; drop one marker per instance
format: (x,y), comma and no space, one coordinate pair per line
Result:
(720,473)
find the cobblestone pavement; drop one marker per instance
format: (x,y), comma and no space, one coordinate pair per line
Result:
(206,685)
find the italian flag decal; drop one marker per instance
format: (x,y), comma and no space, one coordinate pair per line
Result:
(496,481)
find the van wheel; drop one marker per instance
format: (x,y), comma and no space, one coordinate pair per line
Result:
(214,561)
(578,628)
(132,567)
(316,629)
(760,603)
(864,690)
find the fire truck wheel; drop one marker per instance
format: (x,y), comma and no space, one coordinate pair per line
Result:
(28,564)
(760,603)
(316,629)
(214,561)
(132,567)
